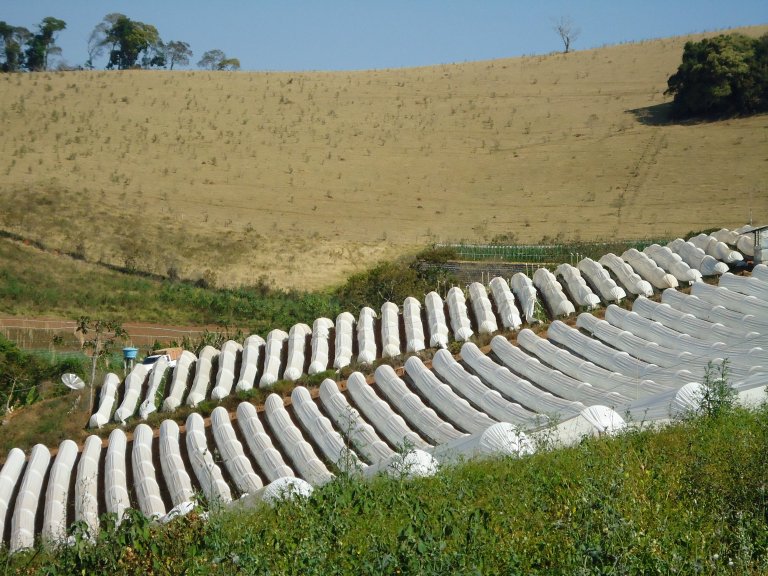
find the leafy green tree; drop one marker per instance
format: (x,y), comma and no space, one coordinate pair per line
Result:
(41,45)
(177,52)
(217,60)
(727,74)
(127,41)
(12,38)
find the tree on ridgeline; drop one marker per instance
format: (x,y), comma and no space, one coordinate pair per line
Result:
(12,39)
(724,75)
(43,44)
(130,43)
(177,52)
(567,31)
(217,60)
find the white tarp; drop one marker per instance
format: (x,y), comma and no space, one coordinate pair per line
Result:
(57,494)
(760,271)
(106,401)
(438,329)
(648,269)
(273,355)
(361,434)
(206,470)
(366,336)
(696,258)
(232,453)
(688,323)
(500,439)
(730,299)
(9,477)
(455,408)
(413,463)
(202,379)
(525,292)
(481,305)
(390,330)
(148,406)
(592,421)
(602,379)
(414,328)
(144,478)
(628,278)
(716,249)
(472,388)
(577,287)
(322,433)
(673,263)
(457,309)
(344,327)
(601,279)
(133,385)
(377,411)
(552,292)
(301,453)
(297,347)
(611,358)
(253,347)
(28,499)
(749,286)
(518,389)
(87,483)
(225,376)
(184,366)
(411,407)
(552,380)
(321,333)
(269,459)
(505,304)
(714,313)
(177,478)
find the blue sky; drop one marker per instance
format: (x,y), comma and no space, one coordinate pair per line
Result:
(359,34)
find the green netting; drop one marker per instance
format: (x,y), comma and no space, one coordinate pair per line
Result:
(570,253)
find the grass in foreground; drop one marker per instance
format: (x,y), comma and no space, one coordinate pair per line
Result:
(688,499)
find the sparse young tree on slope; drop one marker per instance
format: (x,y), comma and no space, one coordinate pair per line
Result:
(41,45)
(177,52)
(567,31)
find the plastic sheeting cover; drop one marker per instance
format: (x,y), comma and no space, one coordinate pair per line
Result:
(696,258)
(344,327)
(225,378)
(202,376)
(366,336)
(320,358)
(176,477)
(133,384)
(269,459)
(525,292)
(144,479)
(86,484)
(106,401)
(457,308)
(601,279)
(627,276)
(297,346)
(577,286)
(414,328)
(249,365)
(553,294)
(57,495)
(231,451)
(505,303)
(148,406)
(438,329)
(273,355)
(672,263)
(206,470)
(179,381)
(28,499)
(649,270)
(481,305)
(390,330)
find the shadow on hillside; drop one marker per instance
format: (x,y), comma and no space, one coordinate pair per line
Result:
(657,115)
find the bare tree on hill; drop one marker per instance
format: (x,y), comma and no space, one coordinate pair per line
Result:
(567,31)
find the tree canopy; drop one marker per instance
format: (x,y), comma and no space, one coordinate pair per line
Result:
(177,52)
(724,75)
(43,44)
(127,40)
(217,60)
(12,39)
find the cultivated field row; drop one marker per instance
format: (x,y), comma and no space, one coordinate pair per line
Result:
(641,365)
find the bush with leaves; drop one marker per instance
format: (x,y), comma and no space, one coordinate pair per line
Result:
(724,75)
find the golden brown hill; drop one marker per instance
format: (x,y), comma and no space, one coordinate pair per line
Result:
(305,176)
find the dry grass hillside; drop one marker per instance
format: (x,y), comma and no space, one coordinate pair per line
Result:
(305,176)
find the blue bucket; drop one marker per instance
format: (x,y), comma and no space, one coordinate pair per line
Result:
(130,353)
